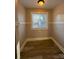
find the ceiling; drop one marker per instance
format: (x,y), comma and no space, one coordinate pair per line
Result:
(49,4)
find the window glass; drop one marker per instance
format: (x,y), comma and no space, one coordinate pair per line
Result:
(39,21)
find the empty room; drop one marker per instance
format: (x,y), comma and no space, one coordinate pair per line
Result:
(39,29)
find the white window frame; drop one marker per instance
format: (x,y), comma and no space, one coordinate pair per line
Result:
(39,13)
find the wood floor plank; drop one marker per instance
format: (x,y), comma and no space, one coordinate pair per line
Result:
(45,48)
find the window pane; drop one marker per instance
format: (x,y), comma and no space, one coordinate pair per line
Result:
(39,21)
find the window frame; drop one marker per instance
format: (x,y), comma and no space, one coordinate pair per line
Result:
(46,20)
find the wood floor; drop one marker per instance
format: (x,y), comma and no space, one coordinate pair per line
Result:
(44,49)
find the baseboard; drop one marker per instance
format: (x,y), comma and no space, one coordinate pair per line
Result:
(21,48)
(18,50)
(33,39)
(59,46)
(42,38)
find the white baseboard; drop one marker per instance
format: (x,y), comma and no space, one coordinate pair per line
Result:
(18,50)
(33,39)
(59,46)
(43,38)
(21,48)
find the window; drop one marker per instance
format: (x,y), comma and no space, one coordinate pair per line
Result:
(39,21)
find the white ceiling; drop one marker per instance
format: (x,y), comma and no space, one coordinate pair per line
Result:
(49,4)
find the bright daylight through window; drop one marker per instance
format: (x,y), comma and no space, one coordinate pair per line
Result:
(39,21)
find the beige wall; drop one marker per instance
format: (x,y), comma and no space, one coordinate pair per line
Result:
(55,30)
(36,33)
(19,18)
(58,24)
